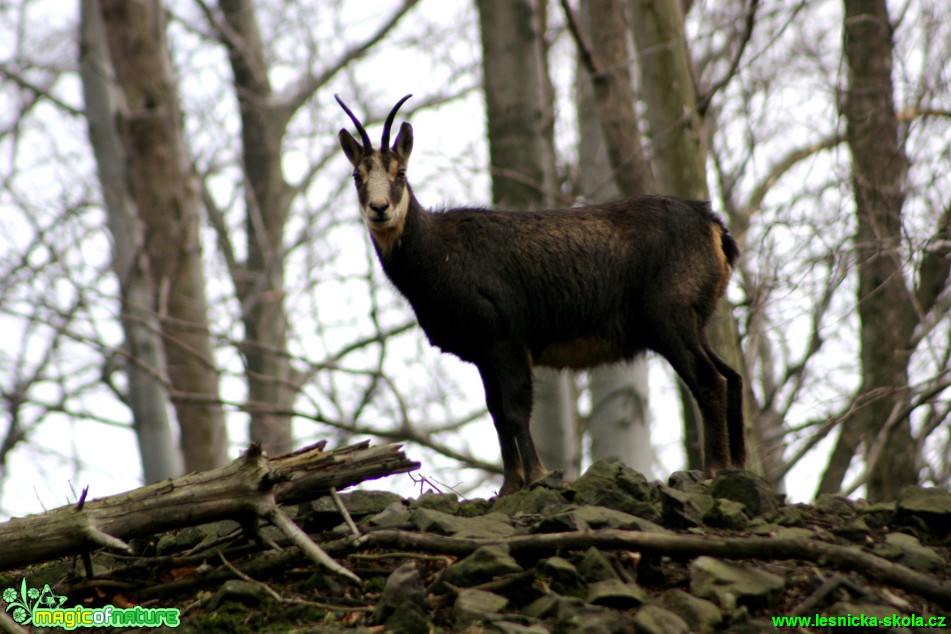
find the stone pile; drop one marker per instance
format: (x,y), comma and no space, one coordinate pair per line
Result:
(613,590)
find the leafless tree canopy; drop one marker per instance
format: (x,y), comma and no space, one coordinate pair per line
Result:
(242,290)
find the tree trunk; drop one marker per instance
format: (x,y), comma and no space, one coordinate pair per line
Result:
(679,158)
(886,310)
(619,424)
(521,148)
(267,200)
(163,184)
(145,365)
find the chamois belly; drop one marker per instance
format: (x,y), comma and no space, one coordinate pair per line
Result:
(580,353)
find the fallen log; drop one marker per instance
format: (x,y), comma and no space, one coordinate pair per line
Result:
(250,487)
(757,548)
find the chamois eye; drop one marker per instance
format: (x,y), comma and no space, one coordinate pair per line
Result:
(401,173)
(356,177)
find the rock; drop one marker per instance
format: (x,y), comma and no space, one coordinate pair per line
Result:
(794,532)
(542,607)
(653,619)
(562,575)
(834,504)
(733,584)
(793,515)
(445,502)
(604,517)
(507,627)
(530,501)
(589,619)
(404,588)
(188,537)
(473,507)
(477,605)
(553,480)
(226,527)
(699,614)
(634,482)
(615,593)
(932,506)
(615,486)
(409,619)
(484,564)
(396,514)
(238,591)
(595,566)
(748,489)
(726,514)
(907,550)
(599,476)
(682,480)
(684,508)
(565,521)
(856,530)
(490,525)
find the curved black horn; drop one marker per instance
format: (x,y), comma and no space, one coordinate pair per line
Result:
(367,144)
(385,142)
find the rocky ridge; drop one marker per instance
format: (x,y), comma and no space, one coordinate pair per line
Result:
(611,552)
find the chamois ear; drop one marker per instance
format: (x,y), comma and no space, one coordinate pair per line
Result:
(351,148)
(403,145)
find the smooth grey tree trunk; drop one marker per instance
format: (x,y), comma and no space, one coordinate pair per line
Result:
(145,366)
(163,183)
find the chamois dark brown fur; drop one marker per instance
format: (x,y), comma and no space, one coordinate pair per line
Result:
(565,288)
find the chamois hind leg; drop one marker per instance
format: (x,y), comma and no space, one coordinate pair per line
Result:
(690,355)
(734,411)
(507,378)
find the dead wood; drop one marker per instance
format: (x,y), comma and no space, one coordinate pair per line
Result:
(248,488)
(761,548)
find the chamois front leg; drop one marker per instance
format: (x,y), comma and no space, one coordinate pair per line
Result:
(507,378)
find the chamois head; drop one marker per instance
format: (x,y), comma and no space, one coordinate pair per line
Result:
(380,175)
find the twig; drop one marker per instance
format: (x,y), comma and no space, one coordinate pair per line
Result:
(585,54)
(343,511)
(290,601)
(278,518)
(271,591)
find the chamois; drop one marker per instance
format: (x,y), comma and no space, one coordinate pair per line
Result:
(564,288)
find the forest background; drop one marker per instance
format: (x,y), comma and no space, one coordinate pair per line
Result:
(183,268)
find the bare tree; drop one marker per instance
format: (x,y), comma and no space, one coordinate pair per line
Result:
(159,177)
(890,309)
(145,359)
(259,280)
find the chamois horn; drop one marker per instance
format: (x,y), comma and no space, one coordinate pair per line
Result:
(385,141)
(367,143)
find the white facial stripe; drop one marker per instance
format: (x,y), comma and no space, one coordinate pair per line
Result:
(378,185)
